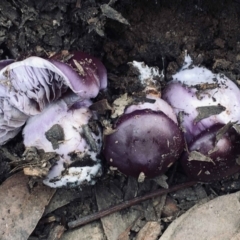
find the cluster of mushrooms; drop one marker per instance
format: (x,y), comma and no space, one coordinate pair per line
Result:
(194,120)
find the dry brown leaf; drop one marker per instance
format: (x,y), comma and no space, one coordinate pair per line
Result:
(56,232)
(150,231)
(21,208)
(197,156)
(236,236)
(120,104)
(115,224)
(170,208)
(125,235)
(59,201)
(109,12)
(91,231)
(217,219)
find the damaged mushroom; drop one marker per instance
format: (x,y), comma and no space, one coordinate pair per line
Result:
(89,70)
(52,97)
(28,86)
(74,136)
(213,154)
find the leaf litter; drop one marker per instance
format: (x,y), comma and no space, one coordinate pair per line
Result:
(21,207)
(147,40)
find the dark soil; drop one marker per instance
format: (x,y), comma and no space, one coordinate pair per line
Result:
(159,32)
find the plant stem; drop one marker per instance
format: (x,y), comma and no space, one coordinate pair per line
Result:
(126,204)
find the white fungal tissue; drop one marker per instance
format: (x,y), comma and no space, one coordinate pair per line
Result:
(147,75)
(69,134)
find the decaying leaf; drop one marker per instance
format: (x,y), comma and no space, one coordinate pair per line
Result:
(197,156)
(36,171)
(91,231)
(101,106)
(59,201)
(206,86)
(237,127)
(207,111)
(109,12)
(34,163)
(125,234)
(122,220)
(141,177)
(217,219)
(56,232)
(150,231)
(107,127)
(161,181)
(223,130)
(120,104)
(21,208)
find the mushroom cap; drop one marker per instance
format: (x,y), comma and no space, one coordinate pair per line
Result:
(203,99)
(212,155)
(144,141)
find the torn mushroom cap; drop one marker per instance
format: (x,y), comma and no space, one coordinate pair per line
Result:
(33,83)
(145,142)
(213,154)
(28,86)
(202,99)
(66,132)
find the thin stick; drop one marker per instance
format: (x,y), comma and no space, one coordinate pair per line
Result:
(126,204)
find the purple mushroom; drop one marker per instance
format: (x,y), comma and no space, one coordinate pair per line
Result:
(213,154)
(88,69)
(202,99)
(5,62)
(144,142)
(30,85)
(74,136)
(204,103)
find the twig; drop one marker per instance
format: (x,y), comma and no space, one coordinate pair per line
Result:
(126,204)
